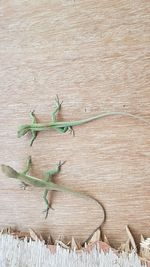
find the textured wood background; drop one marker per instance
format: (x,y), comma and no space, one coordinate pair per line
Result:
(95,56)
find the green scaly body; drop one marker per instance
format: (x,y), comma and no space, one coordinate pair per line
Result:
(63,126)
(48,185)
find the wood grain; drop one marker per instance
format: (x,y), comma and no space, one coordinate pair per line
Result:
(95,56)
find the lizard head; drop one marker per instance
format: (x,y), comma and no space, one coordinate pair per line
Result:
(23,130)
(10,172)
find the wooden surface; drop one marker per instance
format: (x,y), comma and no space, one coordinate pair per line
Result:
(95,56)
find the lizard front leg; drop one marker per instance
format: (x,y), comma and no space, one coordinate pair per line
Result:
(48,205)
(28,166)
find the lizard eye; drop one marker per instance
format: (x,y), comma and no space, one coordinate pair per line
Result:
(23,130)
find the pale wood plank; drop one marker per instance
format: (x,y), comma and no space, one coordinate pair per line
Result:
(95,55)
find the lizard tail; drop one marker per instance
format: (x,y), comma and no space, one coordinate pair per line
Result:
(9,171)
(101,222)
(61,188)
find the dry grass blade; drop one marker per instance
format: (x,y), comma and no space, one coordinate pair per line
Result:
(33,235)
(20,235)
(41,237)
(50,240)
(128,246)
(105,239)
(74,245)
(2,231)
(85,245)
(142,238)
(60,243)
(96,237)
(8,230)
(131,238)
(125,246)
(145,249)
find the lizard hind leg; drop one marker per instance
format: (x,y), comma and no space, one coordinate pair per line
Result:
(48,205)
(48,177)
(50,173)
(56,109)
(62,129)
(54,116)
(65,129)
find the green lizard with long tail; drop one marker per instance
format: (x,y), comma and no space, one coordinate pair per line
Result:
(47,185)
(62,126)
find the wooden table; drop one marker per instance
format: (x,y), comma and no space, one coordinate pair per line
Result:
(95,56)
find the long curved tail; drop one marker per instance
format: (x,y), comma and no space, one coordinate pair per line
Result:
(61,188)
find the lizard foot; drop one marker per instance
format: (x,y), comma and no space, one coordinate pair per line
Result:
(46,211)
(23,185)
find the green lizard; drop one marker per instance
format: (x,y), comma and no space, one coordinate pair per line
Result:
(61,126)
(46,184)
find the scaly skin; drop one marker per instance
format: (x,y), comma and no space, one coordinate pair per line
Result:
(47,185)
(63,127)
